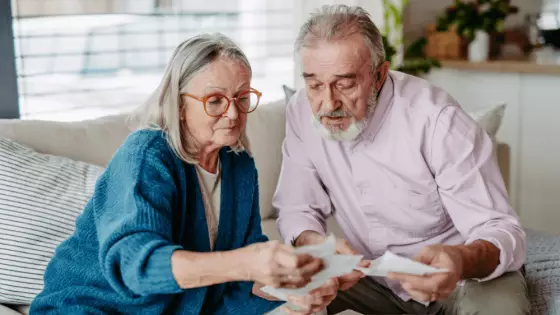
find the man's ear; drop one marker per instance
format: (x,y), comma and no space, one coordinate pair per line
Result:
(381,75)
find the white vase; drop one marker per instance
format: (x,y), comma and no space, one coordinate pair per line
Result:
(479,48)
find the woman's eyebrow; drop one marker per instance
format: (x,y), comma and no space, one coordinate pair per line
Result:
(215,88)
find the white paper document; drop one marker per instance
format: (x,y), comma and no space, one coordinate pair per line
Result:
(335,266)
(325,249)
(390,262)
(339,265)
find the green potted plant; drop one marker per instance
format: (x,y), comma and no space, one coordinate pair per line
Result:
(412,60)
(480,23)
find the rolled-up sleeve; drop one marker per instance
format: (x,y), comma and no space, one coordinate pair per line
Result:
(472,189)
(300,199)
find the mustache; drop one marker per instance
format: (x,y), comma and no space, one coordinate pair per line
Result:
(371,104)
(335,114)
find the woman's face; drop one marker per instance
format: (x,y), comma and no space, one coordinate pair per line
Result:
(224,76)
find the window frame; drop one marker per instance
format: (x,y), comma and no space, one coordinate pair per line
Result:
(9,103)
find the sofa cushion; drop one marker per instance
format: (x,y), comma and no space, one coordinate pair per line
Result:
(93,141)
(40,198)
(266,129)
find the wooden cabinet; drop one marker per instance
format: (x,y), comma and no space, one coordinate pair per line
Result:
(531,126)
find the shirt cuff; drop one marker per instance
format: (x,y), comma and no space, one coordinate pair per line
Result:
(506,244)
(291,232)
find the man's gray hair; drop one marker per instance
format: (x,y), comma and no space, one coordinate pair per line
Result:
(332,22)
(164,109)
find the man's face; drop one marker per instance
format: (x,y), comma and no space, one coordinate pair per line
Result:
(341,85)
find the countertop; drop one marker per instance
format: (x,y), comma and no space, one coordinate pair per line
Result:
(512,66)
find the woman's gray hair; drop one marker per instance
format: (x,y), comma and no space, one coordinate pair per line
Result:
(332,22)
(164,108)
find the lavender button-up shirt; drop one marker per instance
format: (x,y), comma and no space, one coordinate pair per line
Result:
(422,172)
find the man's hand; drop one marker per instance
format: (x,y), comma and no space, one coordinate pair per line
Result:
(436,286)
(342,247)
(316,300)
(349,280)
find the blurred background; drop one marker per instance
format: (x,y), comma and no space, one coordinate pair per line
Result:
(82,59)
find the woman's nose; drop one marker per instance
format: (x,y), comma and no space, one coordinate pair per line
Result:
(232,111)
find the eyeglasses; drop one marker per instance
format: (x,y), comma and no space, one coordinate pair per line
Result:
(217,104)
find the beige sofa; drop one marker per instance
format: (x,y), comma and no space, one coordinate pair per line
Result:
(95,142)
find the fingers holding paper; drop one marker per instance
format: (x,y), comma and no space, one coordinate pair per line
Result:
(278,265)
(434,286)
(427,288)
(349,280)
(316,300)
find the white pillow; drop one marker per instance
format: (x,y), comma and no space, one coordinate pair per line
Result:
(266,129)
(489,118)
(40,197)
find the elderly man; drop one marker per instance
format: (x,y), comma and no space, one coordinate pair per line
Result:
(401,167)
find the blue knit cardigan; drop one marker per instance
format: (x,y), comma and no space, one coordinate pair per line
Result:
(146,205)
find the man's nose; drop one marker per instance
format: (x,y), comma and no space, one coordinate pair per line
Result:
(330,101)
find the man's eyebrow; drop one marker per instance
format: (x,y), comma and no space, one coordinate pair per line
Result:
(339,76)
(346,75)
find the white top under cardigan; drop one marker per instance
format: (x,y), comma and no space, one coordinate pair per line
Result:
(210,186)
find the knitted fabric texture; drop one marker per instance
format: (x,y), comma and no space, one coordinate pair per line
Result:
(543,272)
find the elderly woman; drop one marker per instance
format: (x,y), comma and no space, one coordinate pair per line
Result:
(173,225)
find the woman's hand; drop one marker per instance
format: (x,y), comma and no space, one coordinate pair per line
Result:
(275,264)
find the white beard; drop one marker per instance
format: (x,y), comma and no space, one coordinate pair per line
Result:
(353,131)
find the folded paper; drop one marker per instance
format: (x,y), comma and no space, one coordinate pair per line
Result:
(340,265)
(390,262)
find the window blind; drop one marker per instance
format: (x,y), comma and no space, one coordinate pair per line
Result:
(83,59)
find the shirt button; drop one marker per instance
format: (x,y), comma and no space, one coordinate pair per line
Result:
(363,190)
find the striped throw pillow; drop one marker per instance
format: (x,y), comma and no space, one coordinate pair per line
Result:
(40,197)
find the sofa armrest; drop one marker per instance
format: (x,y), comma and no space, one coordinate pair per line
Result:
(503,154)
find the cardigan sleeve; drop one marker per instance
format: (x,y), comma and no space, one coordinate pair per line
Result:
(133,204)
(239,298)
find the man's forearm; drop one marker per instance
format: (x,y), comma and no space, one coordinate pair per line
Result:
(480,259)
(308,237)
